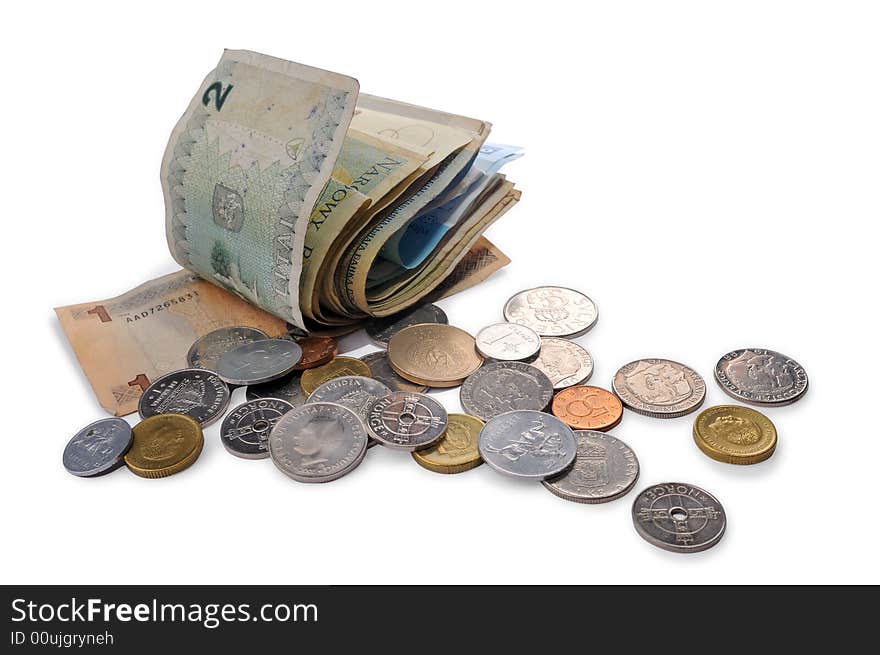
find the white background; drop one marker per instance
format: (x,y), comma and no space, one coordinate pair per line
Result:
(707,172)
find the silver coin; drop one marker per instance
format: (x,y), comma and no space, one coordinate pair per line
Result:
(761,377)
(508,342)
(207,349)
(380,330)
(604,469)
(679,517)
(500,387)
(245,430)
(353,391)
(528,444)
(318,442)
(97,448)
(406,421)
(564,362)
(288,388)
(659,388)
(552,311)
(194,392)
(382,371)
(259,361)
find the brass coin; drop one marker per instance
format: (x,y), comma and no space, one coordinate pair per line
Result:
(458,448)
(163,445)
(434,354)
(335,368)
(735,434)
(587,408)
(316,352)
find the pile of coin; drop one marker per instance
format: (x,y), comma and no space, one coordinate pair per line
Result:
(530,413)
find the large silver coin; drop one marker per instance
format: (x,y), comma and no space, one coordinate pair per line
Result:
(207,349)
(605,469)
(259,361)
(679,517)
(528,444)
(318,442)
(500,387)
(380,330)
(659,387)
(194,392)
(508,342)
(245,430)
(564,362)
(761,377)
(353,391)
(381,370)
(406,421)
(552,311)
(288,388)
(97,448)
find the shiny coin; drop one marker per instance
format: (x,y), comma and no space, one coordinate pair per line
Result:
(587,408)
(500,387)
(659,387)
(605,469)
(380,330)
(318,442)
(508,342)
(552,311)
(432,354)
(317,351)
(335,368)
(406,421)
(97,448)
(245,430)
(527,444)
(353,391)
(258,362)
(735,434)
(163,445)
(564,362)
(288,388)
(380,368)
(679,517)
(193,392)
(208,349)
(761,377)
(458,448)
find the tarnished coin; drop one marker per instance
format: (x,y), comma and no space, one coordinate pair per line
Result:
(406,421)
(605,469)
(317,351)
(194,392)
(163,445)
(335,368)
(288,388)
(588,408)
(380,368)
(245,430)
(458,448)
(258,362)
(508,342)
(659,387)
(353,391)
(208,349)
(552,311)
(380,330)
(527,444)
(318,442)
(761,377)
(97,448)
(735,434)
(500,387)
(564,362)
(679,517)
(433,354)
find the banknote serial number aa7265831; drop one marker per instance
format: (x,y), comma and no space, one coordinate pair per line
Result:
(167,304)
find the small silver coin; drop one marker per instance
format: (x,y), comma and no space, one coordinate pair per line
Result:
(288,388)
(604,469)
(259,361)
(552,311)
(406,421)
(194,392)
(380,330)
(659,388)
(761,377)
(353,391)
(679,517)
(508,342)
(206,350)
(564,362)
(500,387)
(318,442)
(528,444)
(382,371)
(97,448)
(245,430)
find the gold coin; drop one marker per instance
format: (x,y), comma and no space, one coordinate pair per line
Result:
(335,368)
(735,434)
(433,354)
(458,448)
(163,445)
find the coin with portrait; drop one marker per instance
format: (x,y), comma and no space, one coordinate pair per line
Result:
(660,388)
(735,434)
(458,448)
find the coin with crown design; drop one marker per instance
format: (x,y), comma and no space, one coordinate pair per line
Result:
(197,393)
(604,469)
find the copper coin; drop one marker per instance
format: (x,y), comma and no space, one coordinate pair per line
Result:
(588,408)
(434,354)
(316,351)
